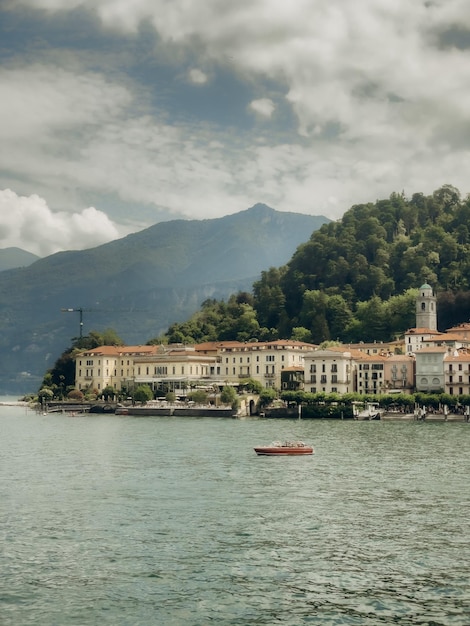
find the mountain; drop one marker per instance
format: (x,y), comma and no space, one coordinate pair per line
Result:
(15,257)
(137,285)
(356,279)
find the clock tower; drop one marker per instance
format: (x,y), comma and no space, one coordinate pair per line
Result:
(426,309)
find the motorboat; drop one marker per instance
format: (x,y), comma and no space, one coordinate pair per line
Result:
(284,448)
(371,411)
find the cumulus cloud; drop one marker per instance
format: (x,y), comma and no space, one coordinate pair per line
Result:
(197,76)
(28,223)
(263,106)
(379,103)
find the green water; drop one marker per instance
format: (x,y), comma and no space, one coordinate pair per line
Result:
(128,521)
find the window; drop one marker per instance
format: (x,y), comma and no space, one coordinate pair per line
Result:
(313,368)
(334,378)
(323,379)
(334,367)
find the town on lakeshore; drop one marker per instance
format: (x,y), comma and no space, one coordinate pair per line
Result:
(424,360)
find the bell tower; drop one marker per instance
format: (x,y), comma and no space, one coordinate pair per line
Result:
(426,309)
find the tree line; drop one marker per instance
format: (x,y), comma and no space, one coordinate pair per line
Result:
(355,279)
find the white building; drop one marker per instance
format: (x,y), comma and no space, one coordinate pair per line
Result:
(175,367)
(457,373)
(430,369)
(426,308)
(262,361)
(329,371)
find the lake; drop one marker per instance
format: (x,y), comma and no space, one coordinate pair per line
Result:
(124,520)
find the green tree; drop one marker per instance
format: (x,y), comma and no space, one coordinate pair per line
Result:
(266,397)
(228,395)
(108,392)
(142,394)
(198,396)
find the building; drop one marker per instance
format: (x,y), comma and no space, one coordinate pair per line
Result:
(430,369)
(416,338)
(107,366)
(292,378)
(168,368)
(174,368)
(426,320)
(379,347)
(457,373)
(261,361)
(399,374)
(178,367)
(426,308)
(370,373)
(329,371)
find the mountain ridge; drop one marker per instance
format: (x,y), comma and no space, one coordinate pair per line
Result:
(139,284)
(13,257)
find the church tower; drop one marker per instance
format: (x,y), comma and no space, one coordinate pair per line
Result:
(426,309)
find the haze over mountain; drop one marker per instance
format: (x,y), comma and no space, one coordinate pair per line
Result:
(137,285)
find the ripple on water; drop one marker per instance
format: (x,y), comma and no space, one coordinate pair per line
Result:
(125,521)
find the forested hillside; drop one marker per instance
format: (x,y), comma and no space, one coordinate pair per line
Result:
(355,279)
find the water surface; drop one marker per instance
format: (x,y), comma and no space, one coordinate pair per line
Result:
(126,521)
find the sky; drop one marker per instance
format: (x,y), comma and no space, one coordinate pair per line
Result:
(118,114)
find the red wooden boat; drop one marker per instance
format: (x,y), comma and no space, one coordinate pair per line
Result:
(278,448)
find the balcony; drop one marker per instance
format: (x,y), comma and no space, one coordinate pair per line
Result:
(271,375)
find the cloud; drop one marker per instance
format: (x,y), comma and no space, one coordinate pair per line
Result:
(197,76)
(263,106)
(28,223)
(374,102)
